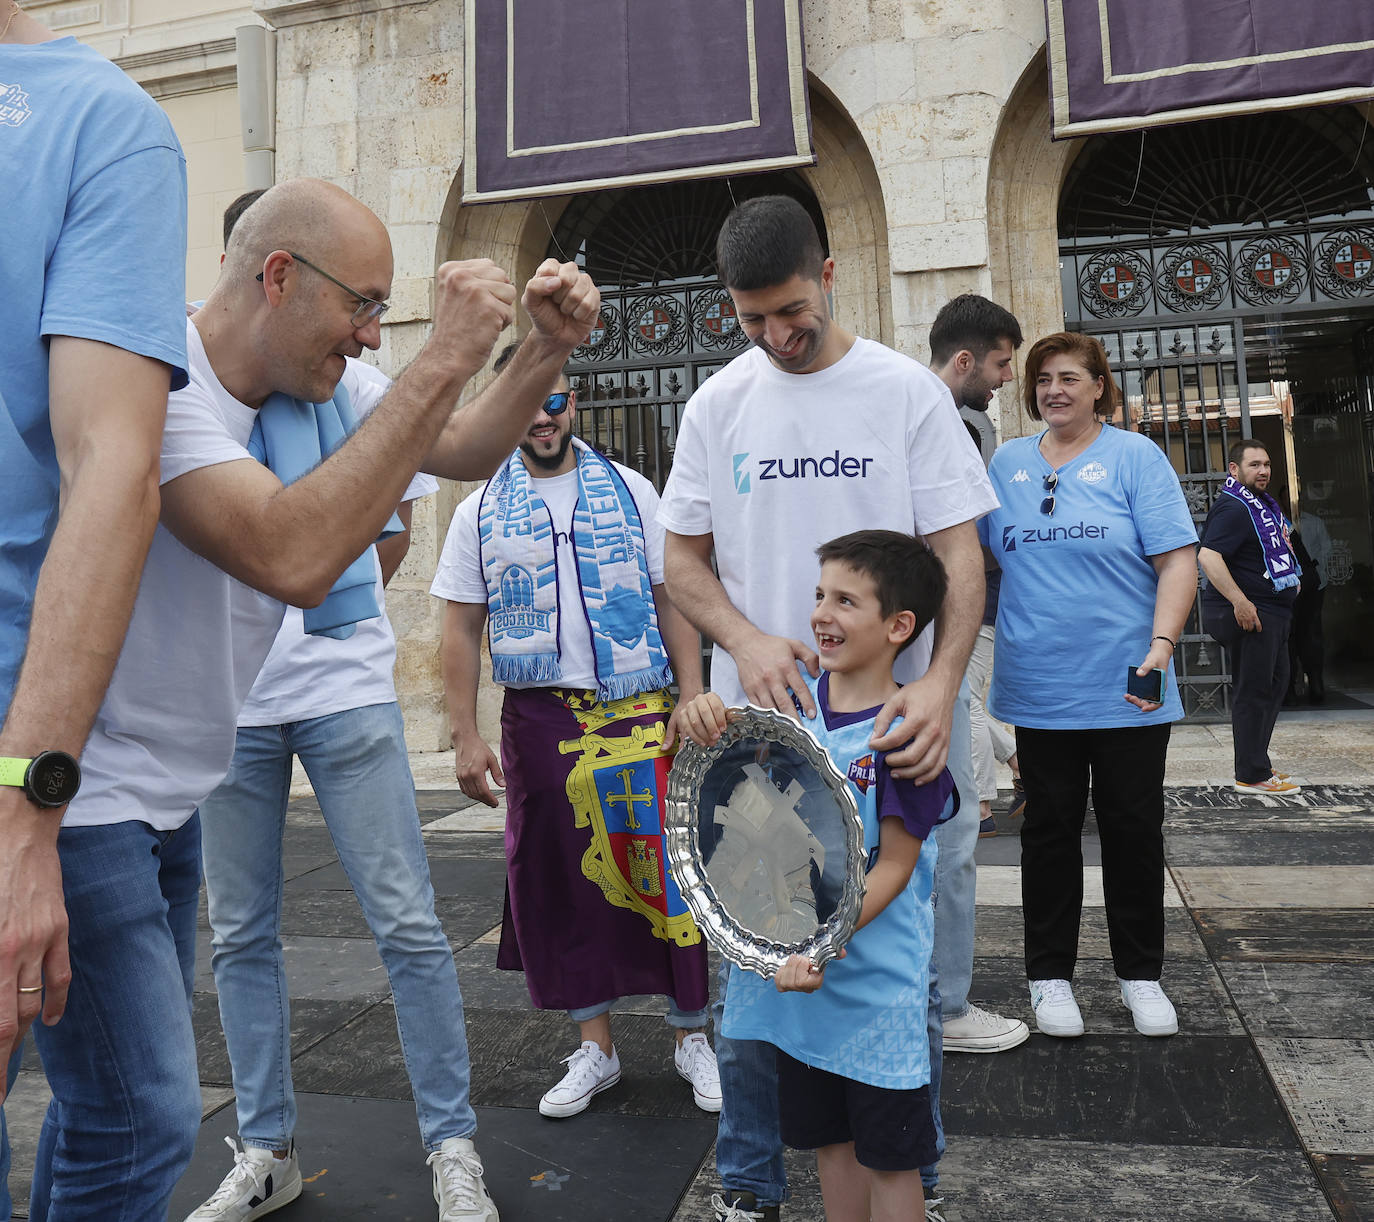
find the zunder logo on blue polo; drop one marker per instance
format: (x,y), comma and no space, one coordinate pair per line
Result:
(798,467)
(1026,536)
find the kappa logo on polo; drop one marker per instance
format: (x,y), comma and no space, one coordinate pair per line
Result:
(1021,477)
(14,105)
(1018,536)
(1092,473)
(827,466)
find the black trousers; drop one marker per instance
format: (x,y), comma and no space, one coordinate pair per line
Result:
(1125,770)
(1259,682)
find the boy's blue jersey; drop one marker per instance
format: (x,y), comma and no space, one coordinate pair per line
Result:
(867,1022)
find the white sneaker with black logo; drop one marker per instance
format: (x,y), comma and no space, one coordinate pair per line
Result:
(458,1188)
(258,1184)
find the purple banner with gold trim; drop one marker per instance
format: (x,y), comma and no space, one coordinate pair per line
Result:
(572,95)
(1123,64)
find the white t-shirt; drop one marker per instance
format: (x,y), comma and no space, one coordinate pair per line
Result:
(459,576)
(309,676)
(774,464)
(164,736)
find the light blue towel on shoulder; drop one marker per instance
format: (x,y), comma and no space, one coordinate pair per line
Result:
(291,438)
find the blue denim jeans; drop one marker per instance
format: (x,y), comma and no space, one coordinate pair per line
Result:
(356,761)
(955,871)
(122,1124)
(677,1019)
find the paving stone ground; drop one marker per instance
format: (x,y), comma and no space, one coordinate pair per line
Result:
(1262,1108)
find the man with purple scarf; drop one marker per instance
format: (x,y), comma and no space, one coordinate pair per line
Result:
(559,559)
(1247,606)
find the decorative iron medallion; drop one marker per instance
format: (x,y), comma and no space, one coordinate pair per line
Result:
(654,324)
(715,322)
(1114,284)
(1270,271)
(1192,277)
(1345,264)
(604,341)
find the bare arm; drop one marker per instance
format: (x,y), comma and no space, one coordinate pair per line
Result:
(460,659)
(927,705)
(390,552)
(684,652)
(1177,586)
(293,541)
(108,460)
(767,665)
(1214,566)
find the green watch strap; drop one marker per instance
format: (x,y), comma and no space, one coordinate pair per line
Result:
(12,770)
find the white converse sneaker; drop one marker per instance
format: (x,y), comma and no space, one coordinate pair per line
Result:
(589,1070)
(1056,1012)
(696,1062)
(256,1186)
(458,1188)
(1153,1012)
(978,1030)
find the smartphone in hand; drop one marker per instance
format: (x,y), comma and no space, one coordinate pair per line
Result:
(1148,687)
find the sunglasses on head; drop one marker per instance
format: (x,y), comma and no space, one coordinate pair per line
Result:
(1051,482)
(556,404)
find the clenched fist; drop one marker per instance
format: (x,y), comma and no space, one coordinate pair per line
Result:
(563,303)
(474,301)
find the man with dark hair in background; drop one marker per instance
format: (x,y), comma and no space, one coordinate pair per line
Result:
(973,343)
(811,434)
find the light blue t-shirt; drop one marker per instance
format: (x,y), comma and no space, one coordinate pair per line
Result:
(1078,588)
(867,1022)
(93,246)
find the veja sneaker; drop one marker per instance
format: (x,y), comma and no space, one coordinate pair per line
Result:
(589,1071)
(1272,785)
(256,1186)
(1152,1010)
(978,1030)
(695,1061)
(933,1207)
(458,1188)
(1056,1012)
(731,1206)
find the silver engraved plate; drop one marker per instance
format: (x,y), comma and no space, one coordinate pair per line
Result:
(766,843)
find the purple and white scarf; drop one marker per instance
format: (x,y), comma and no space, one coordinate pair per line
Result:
(1280,564)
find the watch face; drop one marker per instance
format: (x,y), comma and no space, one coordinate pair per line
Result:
(53,778)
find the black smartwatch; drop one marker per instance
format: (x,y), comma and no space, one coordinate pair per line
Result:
(50,779)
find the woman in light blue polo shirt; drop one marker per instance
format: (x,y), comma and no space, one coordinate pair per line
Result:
(1096,548)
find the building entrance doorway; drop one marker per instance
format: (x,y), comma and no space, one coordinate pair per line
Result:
(1228,268)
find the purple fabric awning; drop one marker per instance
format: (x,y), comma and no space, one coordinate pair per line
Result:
(1125,64)
(571,95)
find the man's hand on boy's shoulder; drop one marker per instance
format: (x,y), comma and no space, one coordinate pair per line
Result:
(917,748)
(800,975)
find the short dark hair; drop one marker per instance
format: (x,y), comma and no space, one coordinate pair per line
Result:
(1088,352)
(974,323)
(1236,454)
(766,241)
(237,209)
(504,358)
(906,574)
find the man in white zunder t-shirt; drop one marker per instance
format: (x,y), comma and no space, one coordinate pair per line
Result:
(810,434)
(235,543)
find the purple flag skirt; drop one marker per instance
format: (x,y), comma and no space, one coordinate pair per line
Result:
(592,911)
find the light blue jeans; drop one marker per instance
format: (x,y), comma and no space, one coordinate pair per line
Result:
(955,871)
(122,1124)
(684,1020)
(356,761)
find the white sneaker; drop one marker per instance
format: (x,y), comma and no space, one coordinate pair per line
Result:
(696,1062)
(1153,1012)
(1056,1012)
(978,1030)
(256,1186)
(589,1070)
(458,1188)
(1272,785)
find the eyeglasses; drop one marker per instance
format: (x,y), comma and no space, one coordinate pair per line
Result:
(367,309)
(556,404)
(1051,482)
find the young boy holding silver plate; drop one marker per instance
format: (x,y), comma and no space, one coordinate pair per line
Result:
(853,1059)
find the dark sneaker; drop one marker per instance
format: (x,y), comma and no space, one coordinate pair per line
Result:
(740,1206)
(987,827)
(1017,808)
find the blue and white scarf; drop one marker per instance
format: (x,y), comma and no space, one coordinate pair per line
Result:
(1280,564)
(520,566)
